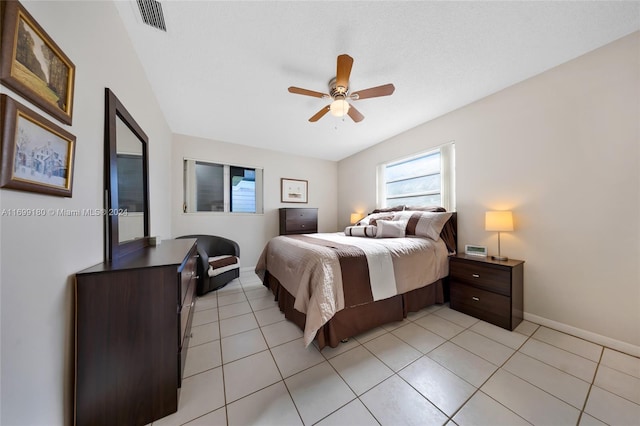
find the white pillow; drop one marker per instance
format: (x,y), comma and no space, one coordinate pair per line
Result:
(390,229)
(424,224)
(360,231)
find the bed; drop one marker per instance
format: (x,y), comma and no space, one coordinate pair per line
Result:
(338,285)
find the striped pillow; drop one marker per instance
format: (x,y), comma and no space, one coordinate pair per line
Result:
(360,231)
(424,224)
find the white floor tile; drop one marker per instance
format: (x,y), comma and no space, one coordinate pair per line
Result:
(208,301)
(318,392)
(418,337)
(412,316)
(528,401)
(258,293)
(587,420)
(201,358)
(621,362)
(484,347)
(468,366)
(249,374)
(215,418)
(393,402)
(570,363)
(370,335)
(281,332)
(360,369)
(229,299)
(352,414)
(499,334)
(269,316)
(328,352)
(204,317)
(393,351)
(396,324)
(199,395)
(439,325)
(569,343)
(568,388)
(526,328)
(269,406)
(230,288)
(440,386)
(235,325)
(204,333)
(611,409)
(242,344)
(482,410)
(251,284)
(263,303)
(619,383)
(463,320)
(293,357)
(234,310)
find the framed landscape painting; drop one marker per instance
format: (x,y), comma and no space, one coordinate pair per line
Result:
(37,155)
(33,65)
(293,190)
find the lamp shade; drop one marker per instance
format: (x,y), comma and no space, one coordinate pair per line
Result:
(498,221)
(355,217)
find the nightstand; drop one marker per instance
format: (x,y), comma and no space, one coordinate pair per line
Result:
(490,290)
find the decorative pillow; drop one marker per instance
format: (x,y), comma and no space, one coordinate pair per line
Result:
(426,209)
(373,217)
(374,221)
(391,229)
(360,231)
(221,264)
(424,224)
(388,209)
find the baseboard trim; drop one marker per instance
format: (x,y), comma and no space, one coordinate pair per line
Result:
(617,345)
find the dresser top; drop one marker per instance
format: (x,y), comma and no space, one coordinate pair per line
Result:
(169,252)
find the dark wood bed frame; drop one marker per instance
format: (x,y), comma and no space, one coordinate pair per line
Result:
(352,321)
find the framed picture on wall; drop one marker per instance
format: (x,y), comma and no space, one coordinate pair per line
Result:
(33,65)
(293,190)
(37,155)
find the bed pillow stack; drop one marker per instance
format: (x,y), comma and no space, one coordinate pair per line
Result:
(423,223)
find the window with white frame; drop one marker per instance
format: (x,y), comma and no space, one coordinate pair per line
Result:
(425,179)
(213,187)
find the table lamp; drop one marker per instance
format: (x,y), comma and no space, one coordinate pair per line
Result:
(355,217)
(500,221)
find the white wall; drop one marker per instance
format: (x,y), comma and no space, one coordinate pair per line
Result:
(39,256)
(562,151)
(252,231)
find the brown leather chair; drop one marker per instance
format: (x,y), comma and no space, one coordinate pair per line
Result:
(210,246)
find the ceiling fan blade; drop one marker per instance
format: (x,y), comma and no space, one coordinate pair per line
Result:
(374,92)
(299,91)
(345,62)
(319,114)
(355,114)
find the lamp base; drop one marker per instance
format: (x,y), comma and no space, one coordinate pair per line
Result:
(499,258)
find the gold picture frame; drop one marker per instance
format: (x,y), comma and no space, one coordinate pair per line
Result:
(33,65)
(37,155)
(294,190)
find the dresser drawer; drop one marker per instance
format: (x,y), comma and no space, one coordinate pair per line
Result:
(185,311)
(301,225)
(298,221)
(485,305)
(477,274)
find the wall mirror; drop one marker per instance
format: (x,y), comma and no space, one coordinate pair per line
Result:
(126,181)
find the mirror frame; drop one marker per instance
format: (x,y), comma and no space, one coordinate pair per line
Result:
(114,109)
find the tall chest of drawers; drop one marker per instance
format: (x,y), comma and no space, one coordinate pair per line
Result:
(298,221)
(487,289)
(133,320)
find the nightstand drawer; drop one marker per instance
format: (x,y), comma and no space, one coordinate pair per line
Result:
(482,276)
(485,305)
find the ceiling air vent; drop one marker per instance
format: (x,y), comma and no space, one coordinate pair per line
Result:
(151,11)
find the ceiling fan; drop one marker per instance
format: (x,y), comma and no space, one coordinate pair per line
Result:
(339,93)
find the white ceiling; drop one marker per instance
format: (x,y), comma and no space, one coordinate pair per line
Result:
(222,69)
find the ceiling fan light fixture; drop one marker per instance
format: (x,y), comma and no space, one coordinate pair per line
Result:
(339,108)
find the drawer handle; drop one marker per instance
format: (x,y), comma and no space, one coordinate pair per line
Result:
(477,299)
(475,275)
(197,277)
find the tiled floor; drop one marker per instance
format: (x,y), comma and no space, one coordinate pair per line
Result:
(247,365)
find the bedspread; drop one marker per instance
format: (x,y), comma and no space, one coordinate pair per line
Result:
(328,272)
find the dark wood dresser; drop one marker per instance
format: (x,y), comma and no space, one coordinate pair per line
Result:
(133,320)
(298,221)
(490,290)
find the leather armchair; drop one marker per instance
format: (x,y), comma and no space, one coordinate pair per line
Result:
(209,246)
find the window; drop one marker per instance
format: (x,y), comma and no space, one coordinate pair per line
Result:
(426,179)
(211,187)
